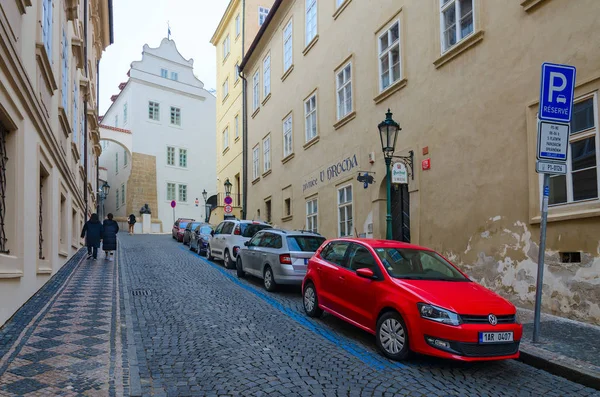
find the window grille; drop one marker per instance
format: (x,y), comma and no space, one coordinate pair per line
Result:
(41,221)
(3,161)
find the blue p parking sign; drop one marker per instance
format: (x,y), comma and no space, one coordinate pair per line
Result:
(556,95)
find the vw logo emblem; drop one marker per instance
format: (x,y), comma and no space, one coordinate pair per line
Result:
(492,319)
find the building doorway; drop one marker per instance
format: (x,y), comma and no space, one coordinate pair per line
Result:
(401,213)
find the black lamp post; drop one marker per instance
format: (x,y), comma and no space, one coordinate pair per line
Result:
(388,132)
(228,187)
(103,194)
(205,196)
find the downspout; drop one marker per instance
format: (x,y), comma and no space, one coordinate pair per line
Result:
(85,103)
(98,161)
(244,120)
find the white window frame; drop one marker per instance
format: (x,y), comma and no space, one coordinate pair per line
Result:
(175,116)
(288,46)
(387,52)
(311,15)
(225,138)
(255,162)
(267,153)
(153,111)
(164,73)
(225,88)
(182,188)
(584,134)
(237,126)
(171,191)
(183,163)
(344,206)
(459,36)
(267,76)
(312,215)
(310,119)
(47,27)
(171,156)
(288,136)
(238,29)
(226,47)
(344,88)
(256,91)
(263,12)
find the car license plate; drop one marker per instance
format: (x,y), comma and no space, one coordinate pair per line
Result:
(495,337)
(306,261)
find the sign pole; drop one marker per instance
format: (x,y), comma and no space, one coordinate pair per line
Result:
(541,255)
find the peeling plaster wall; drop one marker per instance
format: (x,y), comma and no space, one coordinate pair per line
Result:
(503,256)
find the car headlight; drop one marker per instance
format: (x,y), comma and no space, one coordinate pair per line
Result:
(438,314)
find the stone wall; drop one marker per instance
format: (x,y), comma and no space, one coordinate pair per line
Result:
(141,186)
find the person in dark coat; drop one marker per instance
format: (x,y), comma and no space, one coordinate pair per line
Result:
(109,239)
(92,231)
(131,221)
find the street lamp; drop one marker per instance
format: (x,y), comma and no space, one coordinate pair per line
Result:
(105,189)
(102,195)
(388,132)
(227,187)
(204,195)
(206,213)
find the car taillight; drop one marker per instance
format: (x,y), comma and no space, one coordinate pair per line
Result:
(285,259)
(236,250)
(237,230)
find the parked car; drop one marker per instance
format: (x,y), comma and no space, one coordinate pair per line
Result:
(176,225)
(181,231)
(278,256)
(412,299)
(189,231)
(229,236)
(199,242)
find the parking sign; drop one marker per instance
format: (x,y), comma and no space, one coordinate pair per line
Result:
(556,94)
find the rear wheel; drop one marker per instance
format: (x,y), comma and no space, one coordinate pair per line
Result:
(209,254)
(269,280)
(392,336)
(239,269)
(227,260)
(311,302)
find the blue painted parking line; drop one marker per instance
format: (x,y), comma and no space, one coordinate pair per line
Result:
(372,359)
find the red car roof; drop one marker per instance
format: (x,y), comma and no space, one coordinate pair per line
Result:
(375,243)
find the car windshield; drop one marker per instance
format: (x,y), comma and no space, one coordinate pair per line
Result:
(182,225)
(412,264)
(250,229)
(304,243)
(205,229)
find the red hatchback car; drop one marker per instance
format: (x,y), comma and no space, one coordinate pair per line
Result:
(412,299)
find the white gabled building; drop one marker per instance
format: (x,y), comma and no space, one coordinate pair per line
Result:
(163,121)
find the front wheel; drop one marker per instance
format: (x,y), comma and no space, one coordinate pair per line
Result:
(239,269)
(311,302)
(209,254)
(392,336)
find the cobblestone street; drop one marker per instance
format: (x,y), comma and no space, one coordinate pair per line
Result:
(163,321)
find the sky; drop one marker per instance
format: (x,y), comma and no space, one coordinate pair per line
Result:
(139,22)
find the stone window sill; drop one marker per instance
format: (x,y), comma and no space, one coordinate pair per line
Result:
(287,218)
(64,121)
(267,173)
(287,73)
(589,209)
(45,67)
(310,45)
(256,180)
(266,99)
(255,112)
(63,253)
(341,9)
(9,266)
(397,86)
(287,158)
(236,139)
(15,274)
(459,48)
(226,150)
(529,5)
(312,142)
(226,58)
(345,120)
(224,99)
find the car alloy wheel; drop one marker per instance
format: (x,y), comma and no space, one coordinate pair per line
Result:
(392,336)
(227,260)
(269,280)
(311,302)
(239,268)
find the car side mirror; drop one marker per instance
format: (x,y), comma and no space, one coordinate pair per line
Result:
(212,232)
(247,243)
(366,273)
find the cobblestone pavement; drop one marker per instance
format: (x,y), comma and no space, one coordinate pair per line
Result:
(66,340)
(200,331)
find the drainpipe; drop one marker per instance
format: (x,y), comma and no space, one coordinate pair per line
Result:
(98,160)
(85,124)
(244,119)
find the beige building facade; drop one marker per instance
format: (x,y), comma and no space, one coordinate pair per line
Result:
(233,36)
(462,78)
(49,137)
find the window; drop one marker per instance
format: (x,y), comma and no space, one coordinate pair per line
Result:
(310,115)
(183,193)
(344,91)
(311,20)
(287,204)
(267,154)
(125,115)
(225,88)
(75,110)
(255,162)
(339,2)
(255,91)
(236,76)
(164,73)
(170,191)
(262,15)
(226,138)
(175,116)
(288,147)
(409,263)
(268,211)
(360,258)
(267,76)
(227,228)
(287,46)
(345,211)
(225,47)
(312,211)
(183,158)
(271,240)
(65,70)
(389,56)
(116,163)
(170,155)
(118,201)
(237,25)
(116,120)
(123,194)
(456,20)
(582,179)
(335,252)
(174,76)
(124,158)
(154,111)
(237,126)
(47,27)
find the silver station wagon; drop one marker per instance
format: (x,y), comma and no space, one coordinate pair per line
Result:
(278,256)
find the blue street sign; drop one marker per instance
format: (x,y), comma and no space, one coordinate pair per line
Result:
(556,94)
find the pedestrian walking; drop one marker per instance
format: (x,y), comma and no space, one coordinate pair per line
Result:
(92,231)
(109,239)
(131,222)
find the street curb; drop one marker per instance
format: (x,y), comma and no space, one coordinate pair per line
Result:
(565,371)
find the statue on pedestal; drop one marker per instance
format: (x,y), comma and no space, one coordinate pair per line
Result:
(145,210)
